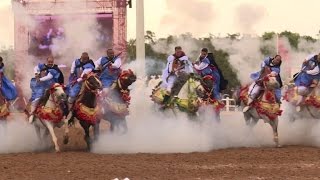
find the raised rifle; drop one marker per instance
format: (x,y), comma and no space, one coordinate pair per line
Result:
(176,61)
(109,62)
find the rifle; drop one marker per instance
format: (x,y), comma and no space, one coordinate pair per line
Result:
(109,62)
(297,75)
(178,69)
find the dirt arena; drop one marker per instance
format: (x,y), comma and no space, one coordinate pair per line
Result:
(288,162)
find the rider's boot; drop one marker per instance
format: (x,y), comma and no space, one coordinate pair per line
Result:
(246,108)
(165,101)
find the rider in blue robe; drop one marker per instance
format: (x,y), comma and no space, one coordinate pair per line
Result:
(254,89)
(204,67)
(8,90)
(109,67)
(79,68)
(45,76)
(310,74)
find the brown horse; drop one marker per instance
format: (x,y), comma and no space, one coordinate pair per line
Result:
(85,108)
(115,102)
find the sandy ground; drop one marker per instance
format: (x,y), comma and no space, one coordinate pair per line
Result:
(243,163)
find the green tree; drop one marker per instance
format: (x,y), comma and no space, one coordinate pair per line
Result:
(292,37)
(150,37)
(268,35)
(7,54)
(233,36)
(309,39)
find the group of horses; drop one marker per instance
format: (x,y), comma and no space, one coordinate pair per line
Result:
(195,94)
(94,104)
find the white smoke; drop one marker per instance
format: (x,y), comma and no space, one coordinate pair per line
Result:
(80,32)
(156,132)
(244,54)
(18,136)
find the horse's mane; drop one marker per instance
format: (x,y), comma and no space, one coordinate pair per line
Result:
(179,82)
(43,100)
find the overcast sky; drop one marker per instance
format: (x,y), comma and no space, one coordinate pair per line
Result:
(201,17)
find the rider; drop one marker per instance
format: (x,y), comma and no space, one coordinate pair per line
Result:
(178,66)
(79,68)
(308,77)
(109,67)
(45,76)
(254,89)
(8,90)
(203,67)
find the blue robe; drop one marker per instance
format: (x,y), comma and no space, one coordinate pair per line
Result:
(38,88)
(212,71)
(305,79)
(108,76)
(267,62)
(8,90)
(74,90)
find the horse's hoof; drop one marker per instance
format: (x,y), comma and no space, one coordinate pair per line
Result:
(298,109)
(58,151)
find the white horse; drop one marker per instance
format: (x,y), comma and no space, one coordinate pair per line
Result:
(190,98)
(264,107)
(49,114)
(309,107)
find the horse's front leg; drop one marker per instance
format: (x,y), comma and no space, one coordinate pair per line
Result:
(66,131)
(86,128)
(274,125)
(96,130)
(49,125)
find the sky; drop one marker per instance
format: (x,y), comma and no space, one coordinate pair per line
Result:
(201,17)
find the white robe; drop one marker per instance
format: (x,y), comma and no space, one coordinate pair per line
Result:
(167,80)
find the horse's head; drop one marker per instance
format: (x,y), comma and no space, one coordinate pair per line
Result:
(191,86)
(92,82)
(126,78)
(270,81)
(57,90)
(208,82)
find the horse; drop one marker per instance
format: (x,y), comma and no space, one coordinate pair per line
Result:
(114,102)
(309,107)
(85,108)
(4,104)
(192,95)
(208,99)
(4,109)
(264,107)
(49,113)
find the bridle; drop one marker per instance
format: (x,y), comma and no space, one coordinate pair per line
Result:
(55,100)
(90,86)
